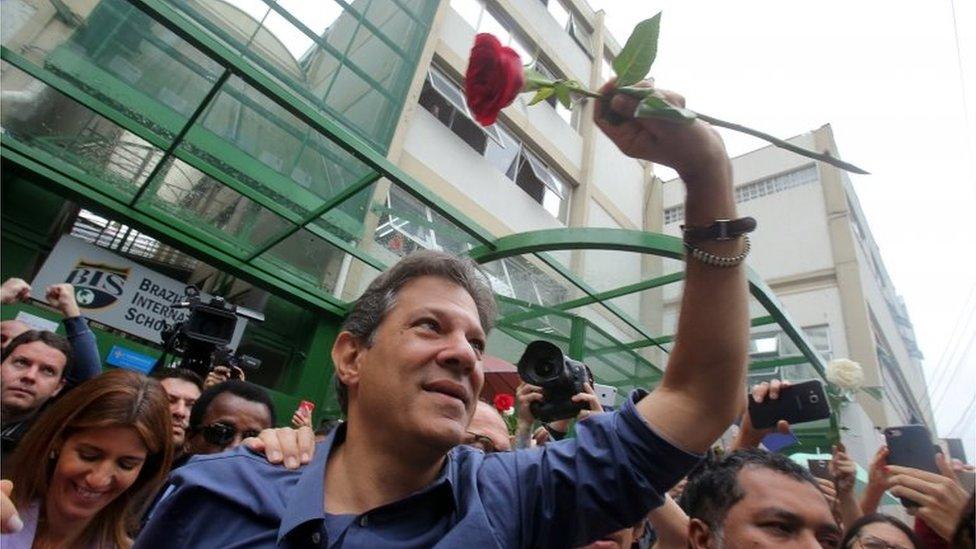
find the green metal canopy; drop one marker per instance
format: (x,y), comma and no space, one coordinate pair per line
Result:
(273,167)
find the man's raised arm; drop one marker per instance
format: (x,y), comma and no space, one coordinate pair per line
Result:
(703,384)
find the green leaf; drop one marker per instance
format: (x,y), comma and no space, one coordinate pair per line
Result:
(563,95)
(535,80)
(653,106)
(542,95)
(634,61)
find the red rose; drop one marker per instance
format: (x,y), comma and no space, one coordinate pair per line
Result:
(504,401)
(493,79)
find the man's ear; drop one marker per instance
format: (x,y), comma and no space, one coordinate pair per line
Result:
(699,534)
(347,352)
(58,388)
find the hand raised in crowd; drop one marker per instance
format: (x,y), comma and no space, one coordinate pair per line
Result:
(292,447)
(844,471)
(749,436)
(525,395)
(220,374)
(62,298)
(941,498)
(301,418)
(10,521)
(14,290)
(877,482)
(694,149)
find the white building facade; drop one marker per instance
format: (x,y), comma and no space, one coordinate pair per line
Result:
(814,248)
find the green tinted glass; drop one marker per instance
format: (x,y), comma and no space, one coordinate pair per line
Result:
(69,132)
(219,213)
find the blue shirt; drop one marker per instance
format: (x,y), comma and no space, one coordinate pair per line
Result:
(563,495)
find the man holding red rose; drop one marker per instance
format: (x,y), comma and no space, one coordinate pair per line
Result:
(408,366)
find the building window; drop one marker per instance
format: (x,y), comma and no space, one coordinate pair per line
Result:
(573,23)
(756,189)
(499,146)
(485,19)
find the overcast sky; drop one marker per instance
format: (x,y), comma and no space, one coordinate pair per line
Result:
(888,77)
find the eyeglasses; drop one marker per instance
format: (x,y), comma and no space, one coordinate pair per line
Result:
(482,442)
(868,541)
(222,434)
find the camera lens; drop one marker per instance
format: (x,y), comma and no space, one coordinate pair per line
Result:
(545,368)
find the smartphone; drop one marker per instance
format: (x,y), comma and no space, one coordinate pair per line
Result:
(820,468)
(798,403)
(911,446)
(606,394)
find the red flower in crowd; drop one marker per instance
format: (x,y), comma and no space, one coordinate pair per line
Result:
(493,79)
(504,401)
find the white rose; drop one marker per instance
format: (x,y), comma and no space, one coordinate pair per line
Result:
(845,374)
(509,412)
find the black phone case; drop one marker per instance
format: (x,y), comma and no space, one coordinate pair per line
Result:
(911,446)
(798,403)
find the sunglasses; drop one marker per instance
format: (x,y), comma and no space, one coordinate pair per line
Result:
(222,434)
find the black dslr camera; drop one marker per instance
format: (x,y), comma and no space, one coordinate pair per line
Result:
(560,377)
(201,340)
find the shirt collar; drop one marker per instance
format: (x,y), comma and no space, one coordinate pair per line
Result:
(306,501)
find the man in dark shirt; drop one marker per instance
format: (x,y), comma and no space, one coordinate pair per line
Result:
(409,368)
(33,371)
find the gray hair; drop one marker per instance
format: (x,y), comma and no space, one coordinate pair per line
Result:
(381,296)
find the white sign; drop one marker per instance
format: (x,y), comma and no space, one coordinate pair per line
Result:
(116,291)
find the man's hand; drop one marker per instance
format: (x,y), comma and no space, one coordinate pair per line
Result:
(694,149)
(940,498)
(828,490)
(749,436)
(62,298)
(293,447)
(14,290)
(593,406)
(10,521)
(525,395)
(220,374)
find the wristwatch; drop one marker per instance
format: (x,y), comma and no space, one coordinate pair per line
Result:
(721,229)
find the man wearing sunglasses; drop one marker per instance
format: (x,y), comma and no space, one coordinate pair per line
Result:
(225,414)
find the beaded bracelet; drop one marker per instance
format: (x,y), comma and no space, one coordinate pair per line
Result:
(709,258)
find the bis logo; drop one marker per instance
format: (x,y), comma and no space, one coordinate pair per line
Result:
(97,285)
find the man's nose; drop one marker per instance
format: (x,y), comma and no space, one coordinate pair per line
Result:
(29,375)
(459,353)
(179,410)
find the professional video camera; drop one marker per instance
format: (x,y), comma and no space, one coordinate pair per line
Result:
(560,377)
(201,340)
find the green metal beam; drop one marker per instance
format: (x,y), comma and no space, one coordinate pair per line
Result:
(204,103)
(189,30)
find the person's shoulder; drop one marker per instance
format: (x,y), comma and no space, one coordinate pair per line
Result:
(234,475)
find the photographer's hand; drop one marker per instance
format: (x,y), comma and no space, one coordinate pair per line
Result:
(525,394)
(293,447)
(587,397)
(218,374)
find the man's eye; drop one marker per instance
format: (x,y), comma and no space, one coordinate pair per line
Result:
(49,372)
(429,324)
(478,345)
(779,528)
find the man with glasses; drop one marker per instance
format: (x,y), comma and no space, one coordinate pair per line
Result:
(487,430)
(224,415)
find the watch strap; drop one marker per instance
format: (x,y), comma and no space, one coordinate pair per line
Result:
(721,229)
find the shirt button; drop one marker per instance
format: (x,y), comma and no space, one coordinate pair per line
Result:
(364,520)
(316,538)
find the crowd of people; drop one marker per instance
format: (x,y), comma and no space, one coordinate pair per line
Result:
(119,459)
